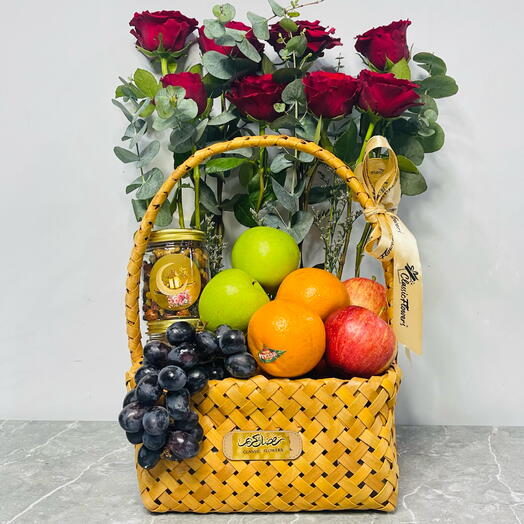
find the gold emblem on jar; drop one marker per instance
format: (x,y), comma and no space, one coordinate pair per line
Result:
(175,282)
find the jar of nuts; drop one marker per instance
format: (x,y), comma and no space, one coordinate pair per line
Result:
(175,271)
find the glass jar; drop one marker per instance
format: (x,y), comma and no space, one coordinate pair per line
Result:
(175,270)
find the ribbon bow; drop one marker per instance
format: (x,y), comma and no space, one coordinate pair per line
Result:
(390,239)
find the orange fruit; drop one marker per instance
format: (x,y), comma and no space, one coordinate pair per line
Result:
(319,290)
(286,338)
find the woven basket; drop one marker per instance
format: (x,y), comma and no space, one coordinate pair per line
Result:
(349,458)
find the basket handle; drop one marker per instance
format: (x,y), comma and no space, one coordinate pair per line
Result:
(142,234)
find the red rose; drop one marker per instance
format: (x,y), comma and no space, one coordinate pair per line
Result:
(318,37)
(208,44)
(385,95)
(330,94)
(387,41)
(172,25)
(193,85)
(255,96)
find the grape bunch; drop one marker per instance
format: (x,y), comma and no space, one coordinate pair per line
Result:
(157,412)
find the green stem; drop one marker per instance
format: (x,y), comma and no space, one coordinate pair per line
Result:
(163,66)
(360,248)
(261,171)
(196,183)
(347,237)
(219,220)
(180,208)
(369,132)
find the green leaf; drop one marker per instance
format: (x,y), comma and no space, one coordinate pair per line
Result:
(280,163)
(181,133)
(139,208)
(286,75)
(224,13)
(124,109)
(267,66)
(242,209)
(431,63)
(433,142)
(259,25)
(294,92)
(405,164)
(319,194)
(186,109)
(219,165)
(165,215)
(146,82)
(249,50)
(229,203)
(346,146)
(401,69)
(219,65)
(285,122)
(197,68)
(153,181)
(439,86)
(125,155)
(297,44)
(277,9)
(208,198)
(288,25)
(246,173)
(412,183)
(279,107)
(428,109)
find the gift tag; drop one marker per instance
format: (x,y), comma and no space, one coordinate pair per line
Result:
(262,445)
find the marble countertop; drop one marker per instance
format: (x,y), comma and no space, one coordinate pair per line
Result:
(83,472)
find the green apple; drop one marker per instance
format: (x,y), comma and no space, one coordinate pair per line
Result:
(230,297)
(267,254)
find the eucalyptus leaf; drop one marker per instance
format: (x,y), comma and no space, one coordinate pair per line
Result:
(139,208)
(284,198)
(181,133)
(137,182)
(208,198)
(186,109)
(219,65)
(165,216)
(146,82)
(288,25)
(405,164)
(150,151)
(259,25)
(243,151)
(307,128)
(274,221)
(222,118)
(428,105)
(246,173)
(226,40)
(286,75)
(435,141)
(409,147)
(224,13)
(305,157)
(229,203)
(124,155)
(123,108)
(200,130)
(297,44)
(219,165)
(439,86)
(280,163)
(346,146)
(294,92)
(153,181)
(285,122)
(277,9)
(249,50)
(213,28)
(319,194)
(267,65)
(279,107)
(431,63)
(412,183)
(301,223)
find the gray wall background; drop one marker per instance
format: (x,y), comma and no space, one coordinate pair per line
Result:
(67,225)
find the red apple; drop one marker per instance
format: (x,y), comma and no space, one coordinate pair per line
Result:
(368,293)
(358,342)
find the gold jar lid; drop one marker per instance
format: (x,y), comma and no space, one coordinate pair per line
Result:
(166,235)
(156,327)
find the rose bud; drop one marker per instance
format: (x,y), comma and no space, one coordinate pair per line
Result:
(385,95)
(318,37)
(255,96)
(330,94)
(208,44)
(387,41)
(170,27)
(193,85)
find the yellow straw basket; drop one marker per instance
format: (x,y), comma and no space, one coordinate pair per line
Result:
(346,427)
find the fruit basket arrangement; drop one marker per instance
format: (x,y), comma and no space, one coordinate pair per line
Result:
(271,386)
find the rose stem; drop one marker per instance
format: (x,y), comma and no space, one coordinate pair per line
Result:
(261,188)
(196,182)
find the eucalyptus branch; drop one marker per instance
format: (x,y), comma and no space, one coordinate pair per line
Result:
(261,172)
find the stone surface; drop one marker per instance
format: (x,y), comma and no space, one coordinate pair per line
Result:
(83,472)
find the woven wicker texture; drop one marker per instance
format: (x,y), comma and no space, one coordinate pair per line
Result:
(349,452)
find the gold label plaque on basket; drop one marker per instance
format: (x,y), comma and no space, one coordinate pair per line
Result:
(262,445)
